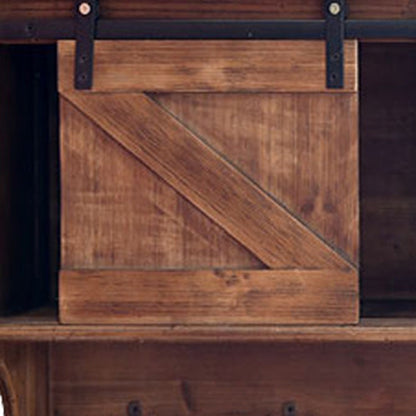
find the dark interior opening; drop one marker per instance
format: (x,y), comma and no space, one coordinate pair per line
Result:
(388,177)
(29,178)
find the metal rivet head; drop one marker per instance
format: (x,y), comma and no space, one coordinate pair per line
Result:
(134,408)
(84,8)
(289,409)
(334,8)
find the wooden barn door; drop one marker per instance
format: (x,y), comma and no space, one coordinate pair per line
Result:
(209,182)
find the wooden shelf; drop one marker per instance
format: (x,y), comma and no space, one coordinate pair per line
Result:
(43,325)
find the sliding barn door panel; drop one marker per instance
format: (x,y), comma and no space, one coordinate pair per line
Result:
(209,182)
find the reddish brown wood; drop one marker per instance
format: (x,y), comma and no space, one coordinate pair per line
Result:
(107,223)
(208,297)
(207,180)
(300,148)
(234,378)
(235,9)
(24,379)
(204,66)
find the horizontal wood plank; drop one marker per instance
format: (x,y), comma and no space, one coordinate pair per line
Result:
(42,325)
(234,379)
(198,66)
(208,180)
(208,297)
(215,9)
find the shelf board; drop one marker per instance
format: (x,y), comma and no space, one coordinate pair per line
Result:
(43,325)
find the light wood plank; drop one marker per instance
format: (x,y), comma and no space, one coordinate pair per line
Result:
(208,181)
(126,216)
(300,148)
(208,297)
(228,379)
(179,66)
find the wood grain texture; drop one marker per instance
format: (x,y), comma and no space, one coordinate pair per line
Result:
(300,148)
(192,66)
(208,297)
(208,180)
(117,213)
(24,377)
(42,326)
(388,173)
(232,9)
(226,379)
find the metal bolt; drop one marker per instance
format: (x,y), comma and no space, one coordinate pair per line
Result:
(289,409)
(134,408)
(334,8)
(84,8)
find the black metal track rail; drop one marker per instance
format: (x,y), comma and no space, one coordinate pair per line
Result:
(56,29)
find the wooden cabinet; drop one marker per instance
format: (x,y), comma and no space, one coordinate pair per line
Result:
(220,217)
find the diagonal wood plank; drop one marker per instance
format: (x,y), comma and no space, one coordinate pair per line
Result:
(208,296)
(302,149)
(106,222)
(207,180)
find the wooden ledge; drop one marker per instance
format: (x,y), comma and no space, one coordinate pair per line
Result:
(43,326)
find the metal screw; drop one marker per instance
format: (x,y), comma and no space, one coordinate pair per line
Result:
(84,8)
(334,8)
(289,409)
(134,408)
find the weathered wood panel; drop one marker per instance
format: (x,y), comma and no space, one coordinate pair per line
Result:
(208,180)
(232,9)
(300,148)
(208,297)
(196,66)
(256,220)
(117,213)
(232,378)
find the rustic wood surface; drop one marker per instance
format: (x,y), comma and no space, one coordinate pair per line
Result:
(300,148)
(24,379)
(232,9)
(208,297)
(117,213)
(208,180)
(196,66)
(108,206)
(223,379)
(43,326)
